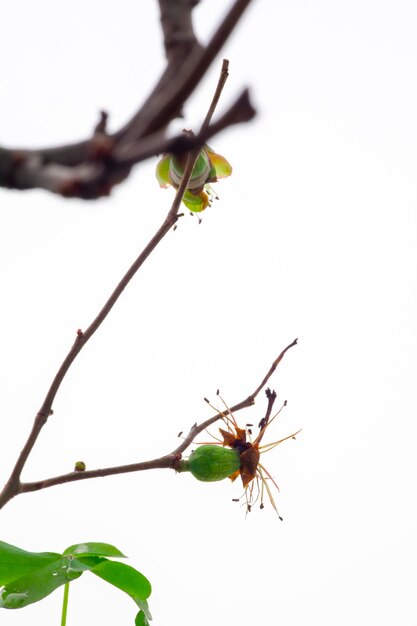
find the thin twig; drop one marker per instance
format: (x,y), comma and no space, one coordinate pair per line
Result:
(224,74)
(168,461)
(14,485)
(244,404)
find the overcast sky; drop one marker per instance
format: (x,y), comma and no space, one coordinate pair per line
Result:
(314,236)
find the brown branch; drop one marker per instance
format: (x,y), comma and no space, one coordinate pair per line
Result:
(169,461)
(177,27)
(14,485)
(90,169)
(240,111)
(244,404)
(92,180)
(167,99)
(224,75)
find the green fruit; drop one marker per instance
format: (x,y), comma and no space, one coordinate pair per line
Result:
(210,463)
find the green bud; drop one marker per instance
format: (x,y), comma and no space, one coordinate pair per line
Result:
(210,463)
(201,173)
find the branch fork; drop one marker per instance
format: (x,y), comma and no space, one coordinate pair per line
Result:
(91,168)
(14,485)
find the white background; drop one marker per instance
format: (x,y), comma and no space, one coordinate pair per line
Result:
(314,237)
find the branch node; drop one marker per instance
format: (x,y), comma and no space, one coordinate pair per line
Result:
(100,147)
(176,461)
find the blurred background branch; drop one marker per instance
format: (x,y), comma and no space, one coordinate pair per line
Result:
(91,168)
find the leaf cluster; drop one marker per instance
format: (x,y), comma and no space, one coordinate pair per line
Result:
(28,577)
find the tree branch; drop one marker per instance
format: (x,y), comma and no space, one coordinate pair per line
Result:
(14,485)
(169,461)
(177,27)
(91,168)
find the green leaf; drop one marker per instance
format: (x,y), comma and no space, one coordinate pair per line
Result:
(28,577)
(15,562)
(144,616)
(124,577)
(131,582)
(140,619)
(83,564)
(94,548)
(40,583)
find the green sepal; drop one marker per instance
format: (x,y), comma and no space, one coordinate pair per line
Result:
(221,166)
(162,170)
(195,202)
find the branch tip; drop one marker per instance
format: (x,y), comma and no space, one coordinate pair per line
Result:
(101,126)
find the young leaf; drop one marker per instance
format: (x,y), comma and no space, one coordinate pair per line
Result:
(144,616)
(94,548)
(28,577)
(35,586)
(15,562)
(141,620)
(124,577)
(131,582)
